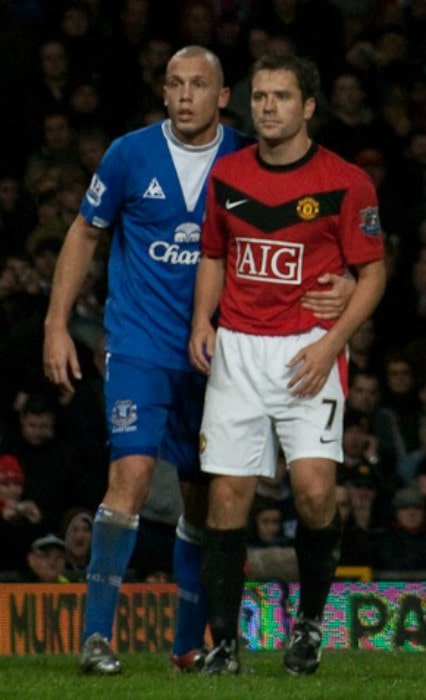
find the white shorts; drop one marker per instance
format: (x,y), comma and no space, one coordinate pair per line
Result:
(249,410)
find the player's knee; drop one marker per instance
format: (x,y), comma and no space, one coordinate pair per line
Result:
(230,500)
(128,483)
(315,509)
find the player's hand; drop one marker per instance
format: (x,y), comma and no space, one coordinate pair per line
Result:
(312,366)
(331,302)
(60,360)
(201,347)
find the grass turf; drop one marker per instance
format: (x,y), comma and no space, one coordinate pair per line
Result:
(343,675)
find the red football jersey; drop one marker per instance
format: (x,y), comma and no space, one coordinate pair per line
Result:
(280,228)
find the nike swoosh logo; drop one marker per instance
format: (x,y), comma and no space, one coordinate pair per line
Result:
(231,205)
(323,441)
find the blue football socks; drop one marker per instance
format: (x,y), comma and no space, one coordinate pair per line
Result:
(192,613)
(113,540)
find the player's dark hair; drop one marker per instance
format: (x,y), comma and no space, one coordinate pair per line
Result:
(305,71)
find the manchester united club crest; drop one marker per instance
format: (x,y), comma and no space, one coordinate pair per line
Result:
(308,208)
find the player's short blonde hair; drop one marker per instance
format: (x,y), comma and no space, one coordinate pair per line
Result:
(195,51)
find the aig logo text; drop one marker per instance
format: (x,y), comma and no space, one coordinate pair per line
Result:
(269,261)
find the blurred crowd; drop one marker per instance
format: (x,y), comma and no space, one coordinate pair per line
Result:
(76,74)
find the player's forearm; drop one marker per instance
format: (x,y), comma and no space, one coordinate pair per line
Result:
(71,269)
(208,289)
(368,292)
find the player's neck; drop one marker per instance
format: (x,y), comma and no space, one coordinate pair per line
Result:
(196,139)
(284,152)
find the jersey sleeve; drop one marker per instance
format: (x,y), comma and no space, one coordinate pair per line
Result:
(360,230)
(104,197)
(213,238)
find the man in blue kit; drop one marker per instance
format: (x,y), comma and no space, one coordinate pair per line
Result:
(150,188)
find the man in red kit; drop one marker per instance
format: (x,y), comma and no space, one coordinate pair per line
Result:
(279,214)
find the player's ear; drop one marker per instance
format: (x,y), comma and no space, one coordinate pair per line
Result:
(309,108)
(165,101)
(224,95)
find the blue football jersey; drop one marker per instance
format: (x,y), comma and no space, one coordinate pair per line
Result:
(155,248)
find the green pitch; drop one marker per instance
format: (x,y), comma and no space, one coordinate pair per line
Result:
(343,675)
